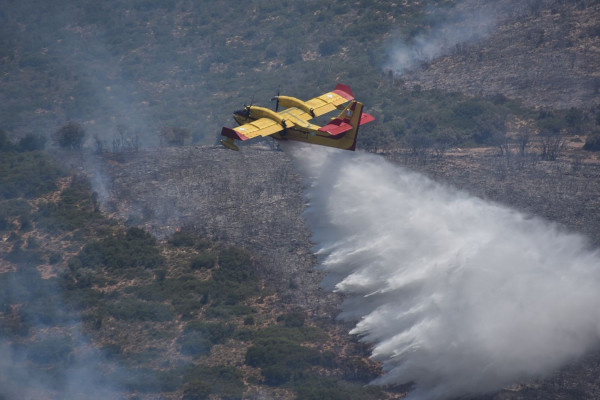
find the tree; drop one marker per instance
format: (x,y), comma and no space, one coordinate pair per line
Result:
(552,145)
(592,143)
(32,142)
(70,136)
(5,143)
(174,136)
(550,128)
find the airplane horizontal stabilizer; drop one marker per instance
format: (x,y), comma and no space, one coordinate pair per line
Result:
(230,133)
(364,118)
(336,127)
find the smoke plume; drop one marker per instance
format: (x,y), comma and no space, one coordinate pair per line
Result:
(446,30)
(458,295)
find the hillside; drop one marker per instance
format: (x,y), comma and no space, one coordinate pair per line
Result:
(134,265)
(128,69)
(165,190)
(545,54)
(92,304)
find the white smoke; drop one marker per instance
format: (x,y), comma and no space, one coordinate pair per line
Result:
(469,21)
(458,295)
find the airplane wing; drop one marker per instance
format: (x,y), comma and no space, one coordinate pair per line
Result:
(260,127)
(305,110)
(330,101)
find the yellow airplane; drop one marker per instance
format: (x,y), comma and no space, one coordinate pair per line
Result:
(293,122)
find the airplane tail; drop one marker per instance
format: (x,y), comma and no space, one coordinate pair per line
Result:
(347,123)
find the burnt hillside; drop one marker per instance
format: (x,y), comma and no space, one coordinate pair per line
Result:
(547,55)
(251,199)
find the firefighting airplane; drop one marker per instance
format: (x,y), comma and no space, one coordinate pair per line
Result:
(293,122)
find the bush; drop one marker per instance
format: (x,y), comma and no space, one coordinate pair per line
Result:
(147,380)
(234,266)
(52,350)
(216,332)
(194,344)
(183,238)
(174,136)
(5,225)
(322,388)
(76,207)
(592,142)
(134,248)
(280,355)
(29,175)
(14,207)
(292,320)
(129,309)
(281,359)
(203,260)
(5,143)
(32,142)
(70,136)
(221,381)
(197,389)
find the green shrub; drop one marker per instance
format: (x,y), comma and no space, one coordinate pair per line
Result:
(592,142)
(197,389)
(199,336)
(5,143)
(187,294)
(216,332)
(32,142)
(183,238)
(194,344)
(5,225)
(281,359)
(14,326)
(129,309)
(221,381)
(112,351)
(322,388)
(23,257)
(55,349)
(14,207)
(132,249)
(281,356)
(148,380)
(174,136)
(76,207)
(47,310)
(70,136)
(292,320)
(235,277)
(203,260)
(28,175)
(219,310)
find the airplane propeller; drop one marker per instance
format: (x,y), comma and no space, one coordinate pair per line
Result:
(276,98)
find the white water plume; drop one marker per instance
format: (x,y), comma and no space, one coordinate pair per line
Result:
(458,295)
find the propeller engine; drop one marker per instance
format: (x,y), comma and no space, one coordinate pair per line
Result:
(276,99)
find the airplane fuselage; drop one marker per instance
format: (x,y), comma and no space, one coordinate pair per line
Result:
(295,128)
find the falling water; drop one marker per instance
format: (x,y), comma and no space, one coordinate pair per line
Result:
(457,295)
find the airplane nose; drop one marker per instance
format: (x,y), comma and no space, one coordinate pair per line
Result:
(242,113)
